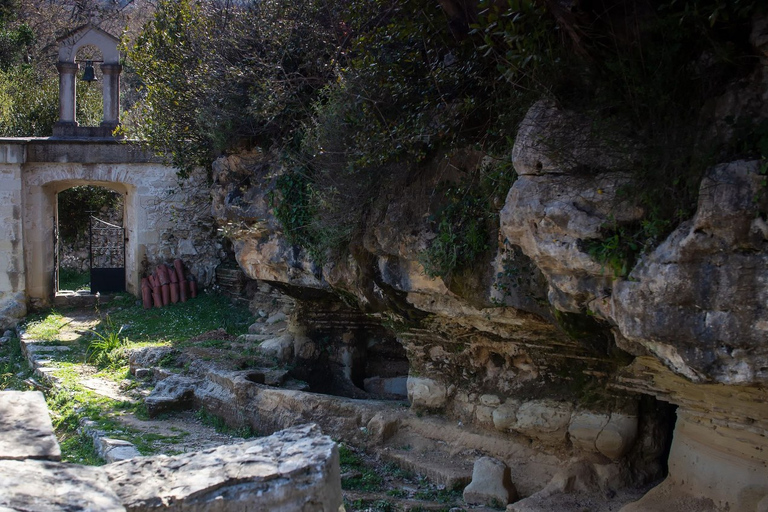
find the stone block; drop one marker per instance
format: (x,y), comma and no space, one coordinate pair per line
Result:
(33,485)
(291,470)
(387,386)
(280,348)
(426,393)
(610,434)
(26,431)
(545,420)
(174,392)
(505,416)
(491,484)
(114,450)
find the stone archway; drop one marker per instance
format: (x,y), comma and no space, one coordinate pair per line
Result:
(163,219)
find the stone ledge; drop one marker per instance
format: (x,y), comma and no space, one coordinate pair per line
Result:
(293,470)
(26,431)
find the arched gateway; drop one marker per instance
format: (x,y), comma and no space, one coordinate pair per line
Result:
(162,220)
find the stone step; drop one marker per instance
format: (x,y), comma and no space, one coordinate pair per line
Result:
(82,299)
(439,468)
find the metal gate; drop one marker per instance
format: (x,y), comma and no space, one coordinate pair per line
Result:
(107,256)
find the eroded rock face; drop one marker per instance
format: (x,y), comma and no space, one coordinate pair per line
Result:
(295,469)
(698,302)
(567,191)
(241,204)
(519,345)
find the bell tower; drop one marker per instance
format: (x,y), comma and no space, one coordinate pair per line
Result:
(67,126)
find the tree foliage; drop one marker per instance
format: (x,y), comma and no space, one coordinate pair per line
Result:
(357,95)
(219,75)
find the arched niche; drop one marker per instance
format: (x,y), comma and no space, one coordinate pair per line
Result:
(88,35)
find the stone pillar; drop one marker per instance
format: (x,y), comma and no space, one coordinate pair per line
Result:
(67,72)
(111,94)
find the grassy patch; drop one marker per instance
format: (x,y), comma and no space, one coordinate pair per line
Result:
(13,367)
(46,326)
(181,321)
(361,476)
(79,449)
(74,280)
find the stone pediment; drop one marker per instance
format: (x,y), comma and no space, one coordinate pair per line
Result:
(89,34)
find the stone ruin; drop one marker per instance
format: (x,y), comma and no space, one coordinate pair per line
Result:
(293,470)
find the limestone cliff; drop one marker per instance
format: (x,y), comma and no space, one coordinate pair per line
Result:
(539,339)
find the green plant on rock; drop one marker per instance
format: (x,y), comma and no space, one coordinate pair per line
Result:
(107,347)
(464,224)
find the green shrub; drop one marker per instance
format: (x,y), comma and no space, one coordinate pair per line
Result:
(107,347)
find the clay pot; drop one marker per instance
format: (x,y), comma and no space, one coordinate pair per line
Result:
(174,292)
(166,293)
(146,293)
(162,274)
(192,286)
(172,274)
(179,266)
(183,291)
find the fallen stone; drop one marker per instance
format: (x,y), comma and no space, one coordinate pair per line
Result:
(4,340)
(382,427)
(426,393)
(173,393)
(296,469)
(147,357)
(280,348)
(26,431)
(8,333)
(114,450)
(491,484)
(277,317)
(41,486)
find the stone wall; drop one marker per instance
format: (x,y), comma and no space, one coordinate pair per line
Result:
(164,219)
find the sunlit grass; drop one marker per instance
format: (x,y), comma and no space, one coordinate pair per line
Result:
(47,327)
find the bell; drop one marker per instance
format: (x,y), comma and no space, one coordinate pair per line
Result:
(88,75)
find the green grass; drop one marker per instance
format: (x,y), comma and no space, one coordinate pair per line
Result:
(364,478)
(74,280)
(181,321)
(13,367)
(46,326)
(79,449)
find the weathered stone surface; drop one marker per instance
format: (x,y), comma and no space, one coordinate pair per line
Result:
(566,193)
(491,484)
(13,308)
(698,301)
(174,392)
(546,420)
(42,486)
(281,348)
(147,357)
(426,393)
(397,386)
(293,470)
(114,450)
(710,461)
(26,431)
(611,434)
